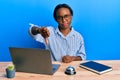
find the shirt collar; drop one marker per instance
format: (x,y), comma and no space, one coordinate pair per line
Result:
(72,32)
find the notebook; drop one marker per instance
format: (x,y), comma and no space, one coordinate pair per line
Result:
(33,60)
(96,67)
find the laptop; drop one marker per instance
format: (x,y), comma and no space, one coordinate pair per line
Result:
(33,60)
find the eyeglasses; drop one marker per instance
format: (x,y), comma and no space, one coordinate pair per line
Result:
(60,18)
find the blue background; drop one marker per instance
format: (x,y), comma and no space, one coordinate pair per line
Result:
(97,20)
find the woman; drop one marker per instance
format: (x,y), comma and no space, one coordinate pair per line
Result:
(64,42)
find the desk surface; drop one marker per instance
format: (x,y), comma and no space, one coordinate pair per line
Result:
(81,74)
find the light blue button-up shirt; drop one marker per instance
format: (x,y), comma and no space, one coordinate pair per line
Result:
(60,45)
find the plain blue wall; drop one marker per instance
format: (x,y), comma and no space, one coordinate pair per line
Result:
(97,20)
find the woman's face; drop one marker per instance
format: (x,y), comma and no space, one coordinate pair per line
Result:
(64,18)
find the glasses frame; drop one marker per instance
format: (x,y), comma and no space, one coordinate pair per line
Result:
(66,17)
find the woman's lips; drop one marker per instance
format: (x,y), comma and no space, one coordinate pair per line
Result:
(65,24)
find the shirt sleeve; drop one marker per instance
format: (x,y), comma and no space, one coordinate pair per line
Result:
(81,51)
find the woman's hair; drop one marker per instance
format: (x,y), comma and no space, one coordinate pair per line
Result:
(62,6)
